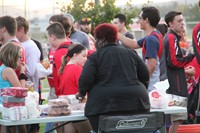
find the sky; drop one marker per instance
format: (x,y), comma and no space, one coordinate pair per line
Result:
(119,2)
(41,7)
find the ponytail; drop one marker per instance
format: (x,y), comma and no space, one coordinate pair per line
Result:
(74,48)
(64,62)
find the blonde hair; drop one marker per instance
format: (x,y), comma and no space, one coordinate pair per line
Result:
(9,54)
(74,48)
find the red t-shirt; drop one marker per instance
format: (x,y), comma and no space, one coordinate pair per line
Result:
(57,59)
(196,65)
(69,79)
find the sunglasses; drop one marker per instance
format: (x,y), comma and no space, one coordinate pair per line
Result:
(86,19)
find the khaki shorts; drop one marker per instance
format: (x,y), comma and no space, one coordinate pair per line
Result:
(179,101)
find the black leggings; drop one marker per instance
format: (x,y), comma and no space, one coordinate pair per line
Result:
(94,119)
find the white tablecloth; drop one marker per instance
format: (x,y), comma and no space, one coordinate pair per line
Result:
(74,116)
(171,110)
(79,115)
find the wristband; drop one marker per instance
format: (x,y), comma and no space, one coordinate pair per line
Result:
(22,76)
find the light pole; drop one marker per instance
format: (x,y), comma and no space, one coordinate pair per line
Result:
(3,7)
(25,8)
(53,7)
(97,2)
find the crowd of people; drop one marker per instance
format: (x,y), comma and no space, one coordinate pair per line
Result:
(103,70)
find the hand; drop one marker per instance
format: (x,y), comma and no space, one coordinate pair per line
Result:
(23,68)
(190,70)
(79,97)
(46,64)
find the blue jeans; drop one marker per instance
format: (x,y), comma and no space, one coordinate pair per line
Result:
(49,126)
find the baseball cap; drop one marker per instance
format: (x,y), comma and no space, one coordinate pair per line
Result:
(70,17)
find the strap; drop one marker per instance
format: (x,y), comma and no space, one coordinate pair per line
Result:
(160,39)
(62,46)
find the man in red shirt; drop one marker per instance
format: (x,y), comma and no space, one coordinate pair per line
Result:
(58,41)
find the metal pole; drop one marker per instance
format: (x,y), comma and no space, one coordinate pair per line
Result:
(25,8)
(3,7)
(53,7)
(97,2)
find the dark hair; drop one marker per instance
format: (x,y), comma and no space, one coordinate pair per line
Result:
(9,54)
(121,17)
(9,23)
(162,28)
(169,17)
(57,30)
(73,48)
(22,22)
(64,20)
(152,14)
(105,33)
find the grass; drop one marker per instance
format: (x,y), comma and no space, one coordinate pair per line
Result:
(42,127)
(45,84)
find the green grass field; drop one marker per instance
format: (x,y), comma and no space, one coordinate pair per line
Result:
(45,84)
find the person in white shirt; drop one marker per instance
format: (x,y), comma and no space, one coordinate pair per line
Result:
(32,52)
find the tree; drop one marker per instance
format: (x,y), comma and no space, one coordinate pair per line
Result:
(130,12)
(103,12)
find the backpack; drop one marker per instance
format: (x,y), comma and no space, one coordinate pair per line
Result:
(160,39)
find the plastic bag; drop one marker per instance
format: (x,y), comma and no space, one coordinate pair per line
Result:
(14,113)
(58,107)
(158,97)
(32,106)
(75,104)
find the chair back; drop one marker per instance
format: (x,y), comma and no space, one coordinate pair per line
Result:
(147,122)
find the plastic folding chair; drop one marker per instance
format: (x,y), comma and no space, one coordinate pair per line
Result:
(137,123)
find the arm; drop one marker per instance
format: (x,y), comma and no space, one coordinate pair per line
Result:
(142,72)
(87,77)
(32,60)
(151,64)
(10,75)
(174,58)
(130,43)
(151,47)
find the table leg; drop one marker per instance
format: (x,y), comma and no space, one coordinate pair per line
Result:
(7,129)
(17,129)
